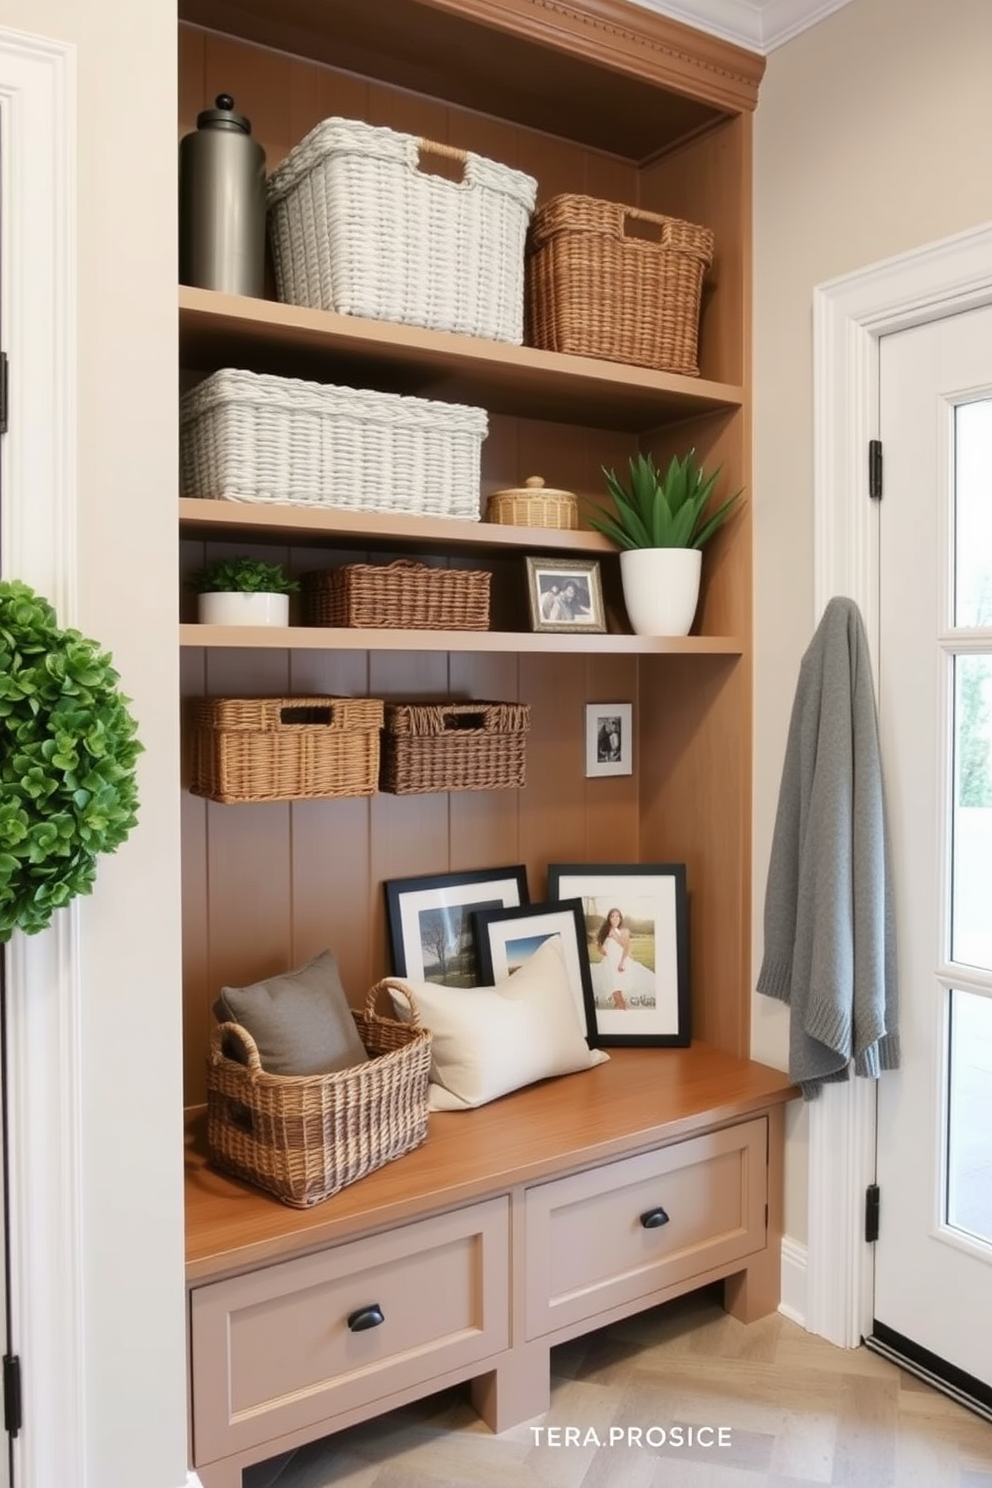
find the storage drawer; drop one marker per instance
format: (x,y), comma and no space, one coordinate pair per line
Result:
(589,1247)
(273,1350)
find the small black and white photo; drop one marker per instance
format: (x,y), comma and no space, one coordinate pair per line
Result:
(609,739)
(565,594)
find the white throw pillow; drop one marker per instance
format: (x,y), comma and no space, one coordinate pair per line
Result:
(491,1040)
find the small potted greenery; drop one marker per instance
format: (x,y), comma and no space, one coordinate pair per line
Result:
(68,748)
(242,591)
(661,524)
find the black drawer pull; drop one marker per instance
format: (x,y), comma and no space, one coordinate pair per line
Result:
(652,1219)
(366,1317)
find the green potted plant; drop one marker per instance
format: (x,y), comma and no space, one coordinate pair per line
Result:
(242,591)
(68,747)
(661,523)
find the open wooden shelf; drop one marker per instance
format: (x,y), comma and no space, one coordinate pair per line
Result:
(265,336)
(323,638)
(301,525)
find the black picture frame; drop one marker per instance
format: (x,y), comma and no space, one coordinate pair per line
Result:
(430,930)
(642,997)
(506,938)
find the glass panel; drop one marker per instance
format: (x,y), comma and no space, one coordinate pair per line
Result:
(973,514)
(969,1166)
(971,864)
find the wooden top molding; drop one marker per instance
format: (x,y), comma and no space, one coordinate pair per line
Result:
(604,73)
(641,1098)
(629,38)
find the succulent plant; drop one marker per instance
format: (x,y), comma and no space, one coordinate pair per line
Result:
(658,510)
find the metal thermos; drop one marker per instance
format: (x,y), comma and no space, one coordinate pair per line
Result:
(222,203)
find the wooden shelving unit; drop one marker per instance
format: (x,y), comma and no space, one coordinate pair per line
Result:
(612,100)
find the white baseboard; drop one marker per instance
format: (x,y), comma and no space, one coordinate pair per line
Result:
(793,1303)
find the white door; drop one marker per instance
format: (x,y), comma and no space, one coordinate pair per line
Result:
(933,1261)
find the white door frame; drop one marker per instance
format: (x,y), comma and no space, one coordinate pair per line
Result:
(850,314)
(37,104)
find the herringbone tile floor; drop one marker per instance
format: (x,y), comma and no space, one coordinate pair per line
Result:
(796,1413)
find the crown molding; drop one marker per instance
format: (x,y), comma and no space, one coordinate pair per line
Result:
(758,25)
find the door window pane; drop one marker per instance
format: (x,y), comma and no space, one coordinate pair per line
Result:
(973,513)
(971,876)
(969,1167)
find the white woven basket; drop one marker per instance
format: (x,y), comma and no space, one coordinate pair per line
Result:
(356,225)
(245,436)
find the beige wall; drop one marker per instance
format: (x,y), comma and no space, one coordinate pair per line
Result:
(872,137)
(129,1137)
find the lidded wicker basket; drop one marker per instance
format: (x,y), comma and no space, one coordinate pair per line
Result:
(303,1137)
(611,281)
(534,505)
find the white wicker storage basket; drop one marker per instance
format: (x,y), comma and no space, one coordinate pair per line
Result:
(358,226)
(247,436)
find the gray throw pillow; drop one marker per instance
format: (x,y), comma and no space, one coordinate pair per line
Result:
(300,1020)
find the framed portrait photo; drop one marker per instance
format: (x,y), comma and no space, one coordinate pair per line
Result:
(635,923)
(565,594)
(430,928)
(506,938)
(609,739)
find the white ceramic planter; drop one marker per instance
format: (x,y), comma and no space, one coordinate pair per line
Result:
(661,589)
(243,609)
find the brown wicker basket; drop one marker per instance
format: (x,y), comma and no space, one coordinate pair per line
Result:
(404,594)
(454,746)
(534,505)
(283,748)
(596,289)
(303,1137)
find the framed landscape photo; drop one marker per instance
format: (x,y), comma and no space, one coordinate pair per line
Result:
(430,926)
(609,739)
(565,594)
(506,938)
(635,925)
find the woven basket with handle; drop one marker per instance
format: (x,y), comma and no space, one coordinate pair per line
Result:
(454,746)
(283,748)
(605,280)
(303,1137)
(361,222)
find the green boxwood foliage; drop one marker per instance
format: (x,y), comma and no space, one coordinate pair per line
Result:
(67,753)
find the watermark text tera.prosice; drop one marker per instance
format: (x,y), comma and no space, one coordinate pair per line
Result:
(632,1436)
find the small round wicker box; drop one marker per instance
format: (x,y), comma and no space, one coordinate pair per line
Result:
(534,505)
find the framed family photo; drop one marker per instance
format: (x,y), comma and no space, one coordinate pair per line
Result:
(506,938)
(609,739)
(635,925)
(565,594)
(430,927)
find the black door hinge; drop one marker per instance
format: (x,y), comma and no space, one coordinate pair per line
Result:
(4,369)
(12,1394)
(871,1212)
(875,469)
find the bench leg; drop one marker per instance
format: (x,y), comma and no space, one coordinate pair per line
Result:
(518,1389)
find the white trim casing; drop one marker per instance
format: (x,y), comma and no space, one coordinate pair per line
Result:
(793,1301)
(849,316)
(37,468)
